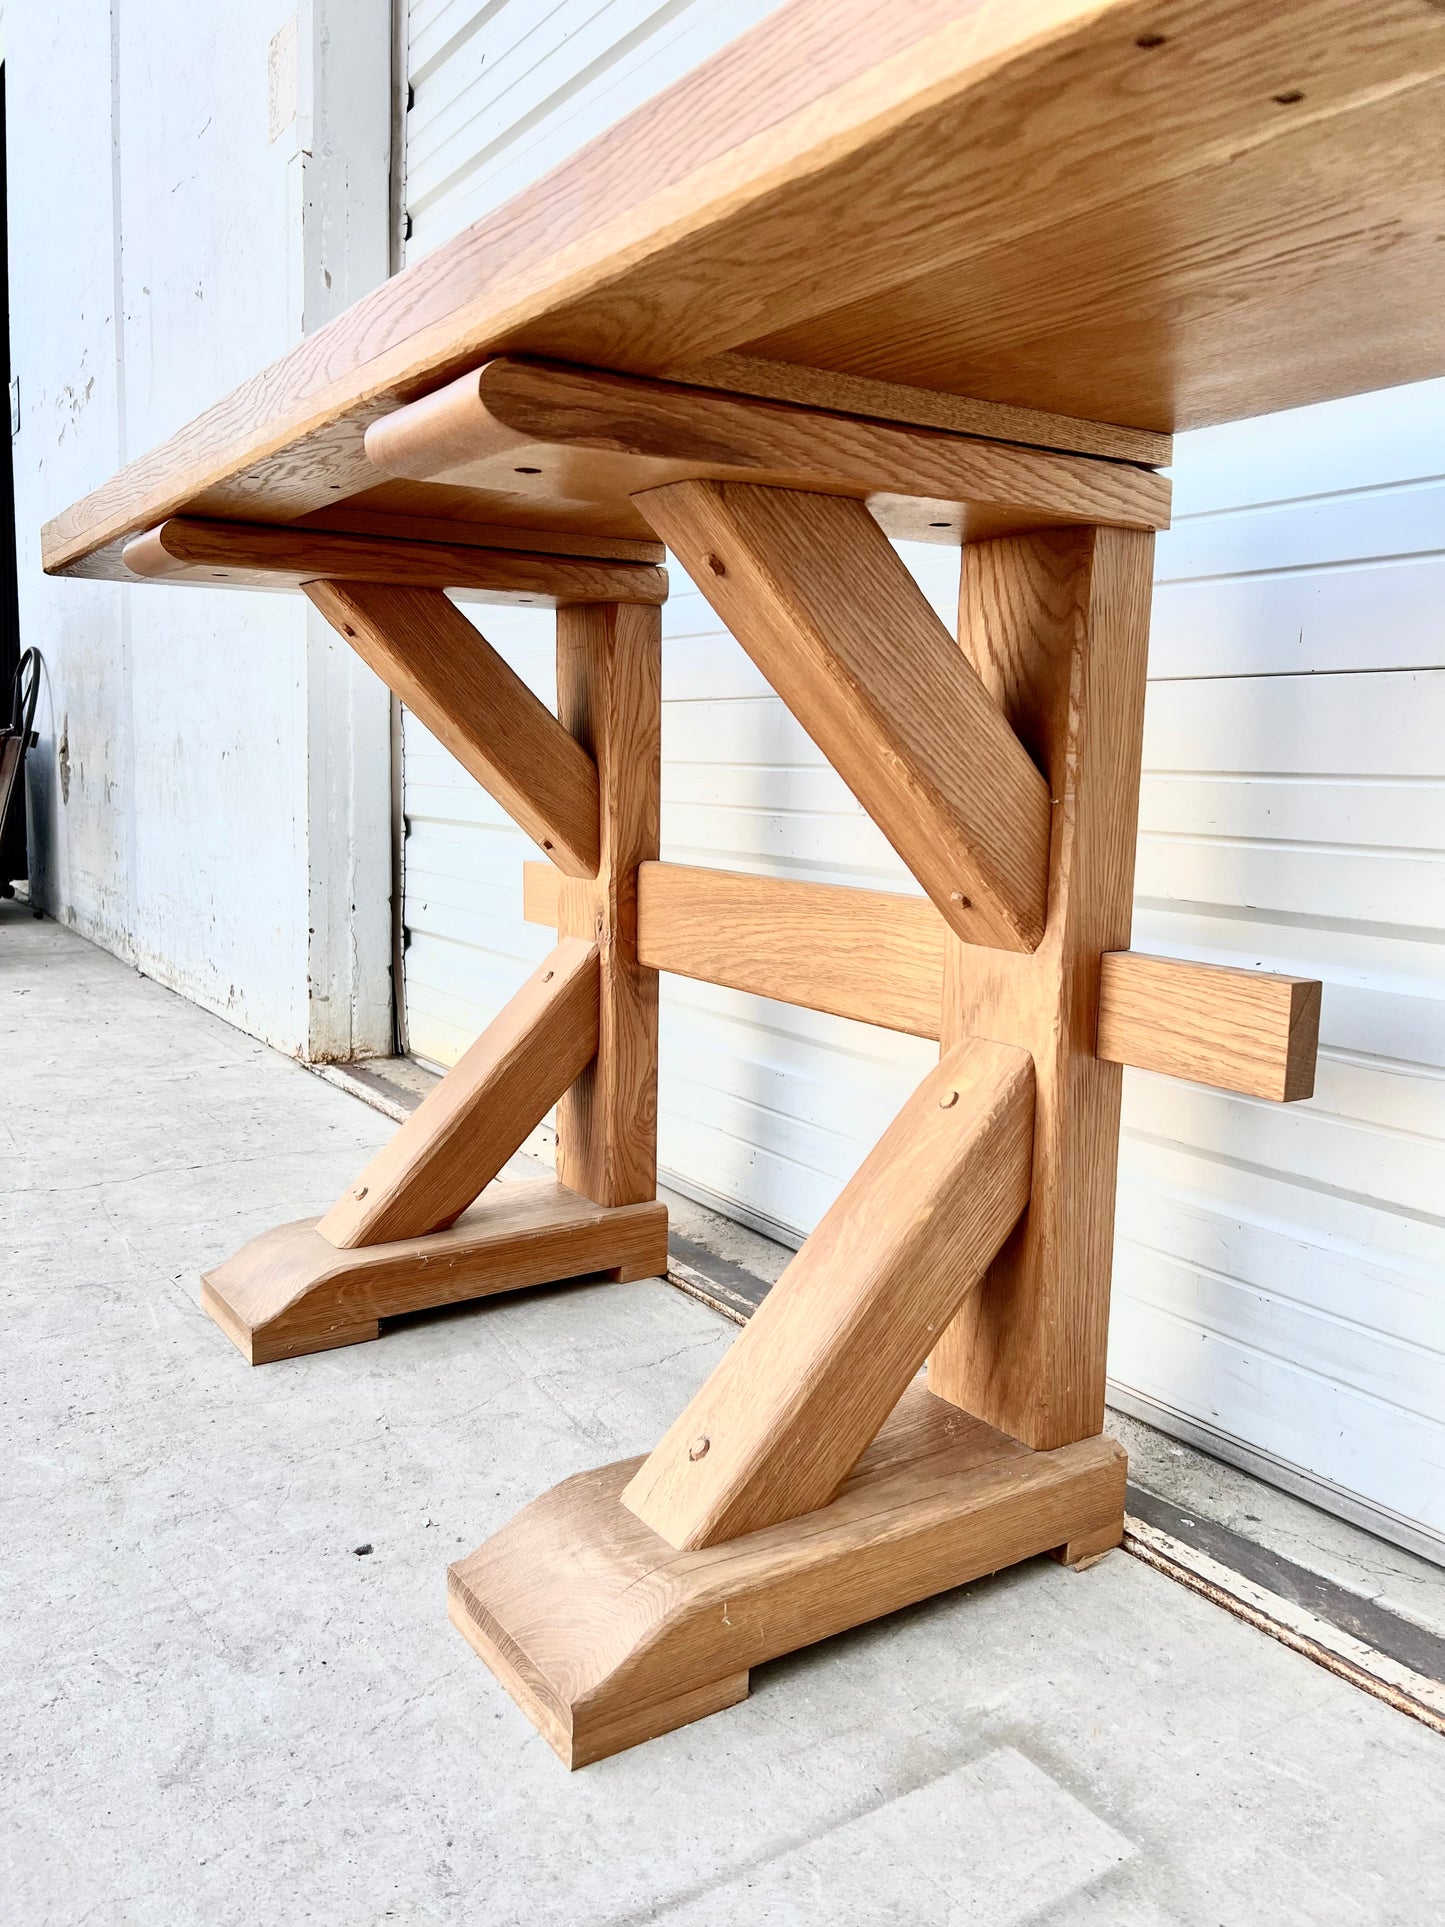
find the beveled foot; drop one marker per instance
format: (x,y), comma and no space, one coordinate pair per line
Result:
(605,1635)
(290,1291)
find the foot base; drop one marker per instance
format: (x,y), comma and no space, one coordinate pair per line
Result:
(290,1291)
(605,1635)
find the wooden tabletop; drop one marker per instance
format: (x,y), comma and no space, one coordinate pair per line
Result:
(1139,218)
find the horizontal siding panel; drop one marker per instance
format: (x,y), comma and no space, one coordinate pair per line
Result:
(1407,520)
(839,848)
(1370,725)
(743,731)
(1300,623)
(1370,887)
(1293,1259)
(1319,1214)
(1369,813)
(881,1067)
(466,165)
(523,57)
(1385,961)
(1397,1169)
(1351,1350)
(480,853)
(491,929)
(1390,1456)
(1333,448)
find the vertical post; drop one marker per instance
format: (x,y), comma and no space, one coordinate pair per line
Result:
(1057,624)
(609,695)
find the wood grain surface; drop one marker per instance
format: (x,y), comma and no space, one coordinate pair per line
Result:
(572,435)
(609,696)
(476,706)
(785,1416)
(1147,215)
(878,957)
(1241,1030)
(1058,628)
(500,1088)
(253,556)
(607,1636)
(867,954)
(820,600)
(895,401)
(291,1291)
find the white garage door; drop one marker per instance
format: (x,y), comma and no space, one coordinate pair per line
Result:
(1280,1282)
(1280,1276)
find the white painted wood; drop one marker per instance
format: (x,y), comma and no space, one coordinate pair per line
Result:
(504,90)
(208,798)
(1279,1285)
(1280,1279)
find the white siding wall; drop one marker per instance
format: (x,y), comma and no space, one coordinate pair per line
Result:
(1280,1282)
(179,212)
(1280,1276)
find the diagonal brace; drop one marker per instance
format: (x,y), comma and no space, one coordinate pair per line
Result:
(784,1418)
(463,1132)
(816,594)
(426,651)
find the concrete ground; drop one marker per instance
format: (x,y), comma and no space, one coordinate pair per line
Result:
(216,1707)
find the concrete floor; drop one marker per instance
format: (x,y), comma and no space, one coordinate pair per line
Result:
(214,1709)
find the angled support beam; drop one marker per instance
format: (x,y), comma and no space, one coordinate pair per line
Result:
(605,1635)
(426,651)
(463,1132)
(817,596)
(784,1418)
(290,1291)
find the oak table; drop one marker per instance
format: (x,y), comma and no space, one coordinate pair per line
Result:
(943,270)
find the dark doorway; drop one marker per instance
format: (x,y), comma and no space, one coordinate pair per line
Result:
(12,849)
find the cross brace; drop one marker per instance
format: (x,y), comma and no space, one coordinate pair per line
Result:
(812,1482)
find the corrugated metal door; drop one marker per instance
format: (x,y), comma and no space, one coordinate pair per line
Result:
(1280,1283)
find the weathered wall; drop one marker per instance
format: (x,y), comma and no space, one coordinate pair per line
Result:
(190,188)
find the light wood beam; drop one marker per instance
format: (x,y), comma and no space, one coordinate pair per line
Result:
(426,651)
(1242,1030)
(290,1291)
(867,954)
(878,957)
(541,893)
(538,430)
(1058,627)
(816,594)
(894,401)
(783,1419)
(463,1132)
(254,556)
(609,695)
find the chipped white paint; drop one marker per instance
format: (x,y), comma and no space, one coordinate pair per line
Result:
(208,798)
(281,79)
